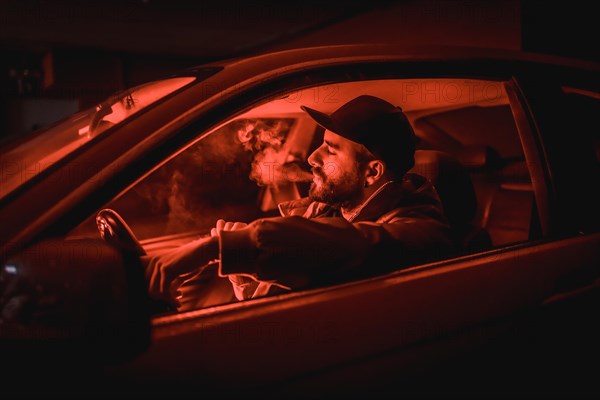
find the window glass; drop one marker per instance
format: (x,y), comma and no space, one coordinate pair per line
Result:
(579,117)
(468,147)
(584,108)
(21,160)
(231,174)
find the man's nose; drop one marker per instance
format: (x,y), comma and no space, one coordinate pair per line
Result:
(314,159)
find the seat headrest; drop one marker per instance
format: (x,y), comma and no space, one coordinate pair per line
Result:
(452,182)
(515,172)
(515,176)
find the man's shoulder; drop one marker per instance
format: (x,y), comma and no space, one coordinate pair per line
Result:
(416,197)
(417,189)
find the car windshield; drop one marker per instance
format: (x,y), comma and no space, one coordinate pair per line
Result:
(23,158)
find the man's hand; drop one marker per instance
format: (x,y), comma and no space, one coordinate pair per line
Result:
(162,270)
(226,226)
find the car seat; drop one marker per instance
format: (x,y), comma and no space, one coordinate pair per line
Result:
(509,214)
(455,189)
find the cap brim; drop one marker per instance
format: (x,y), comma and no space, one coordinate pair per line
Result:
(322,119)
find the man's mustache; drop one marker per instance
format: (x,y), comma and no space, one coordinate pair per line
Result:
(319,172)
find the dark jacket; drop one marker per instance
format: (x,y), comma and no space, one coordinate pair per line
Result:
(401,224)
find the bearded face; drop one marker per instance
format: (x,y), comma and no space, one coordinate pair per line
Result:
(334,186)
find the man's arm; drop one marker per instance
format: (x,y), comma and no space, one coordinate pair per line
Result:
(162,270)
(297,252)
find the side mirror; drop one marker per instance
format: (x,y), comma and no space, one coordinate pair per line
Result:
(77,300)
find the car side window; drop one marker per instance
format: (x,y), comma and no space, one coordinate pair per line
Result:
(580,107)
(583,107)
(229,174)
(467,147)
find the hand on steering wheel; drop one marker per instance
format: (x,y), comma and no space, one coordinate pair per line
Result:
(114,230)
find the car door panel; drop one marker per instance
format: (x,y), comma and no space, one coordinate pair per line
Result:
(344,327)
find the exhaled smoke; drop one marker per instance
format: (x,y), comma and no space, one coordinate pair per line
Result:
(211,178)
(266,140)
(180,214)
(256,135)
(186,193)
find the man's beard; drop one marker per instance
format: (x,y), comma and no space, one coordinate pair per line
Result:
(345,191)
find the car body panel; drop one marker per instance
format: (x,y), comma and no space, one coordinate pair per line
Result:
(282,339)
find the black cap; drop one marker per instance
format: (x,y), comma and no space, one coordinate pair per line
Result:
(378,125)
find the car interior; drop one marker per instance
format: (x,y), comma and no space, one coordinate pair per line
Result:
(493,192)
(468,146)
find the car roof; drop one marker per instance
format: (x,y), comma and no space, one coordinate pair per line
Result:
(402,52)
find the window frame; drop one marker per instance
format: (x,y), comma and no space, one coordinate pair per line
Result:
(527,135)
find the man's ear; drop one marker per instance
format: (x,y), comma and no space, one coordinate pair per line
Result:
(374,171)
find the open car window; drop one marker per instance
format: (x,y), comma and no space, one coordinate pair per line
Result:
(241,170)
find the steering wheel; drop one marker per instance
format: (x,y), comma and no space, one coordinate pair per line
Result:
(114,230)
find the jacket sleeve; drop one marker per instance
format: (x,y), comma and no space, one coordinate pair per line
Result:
(296,252)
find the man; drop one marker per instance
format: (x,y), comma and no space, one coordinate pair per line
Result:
(364,215)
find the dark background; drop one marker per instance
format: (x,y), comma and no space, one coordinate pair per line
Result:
(61,56)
